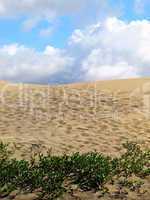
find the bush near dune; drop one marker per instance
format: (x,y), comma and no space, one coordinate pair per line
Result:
(90,171)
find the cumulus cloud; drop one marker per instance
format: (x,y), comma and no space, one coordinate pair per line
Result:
(109,49)
(113,49)
(22,64)
(97,67)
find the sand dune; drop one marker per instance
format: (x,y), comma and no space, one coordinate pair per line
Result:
(77,117)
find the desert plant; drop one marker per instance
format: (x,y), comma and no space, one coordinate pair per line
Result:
(134,160)
(89,171)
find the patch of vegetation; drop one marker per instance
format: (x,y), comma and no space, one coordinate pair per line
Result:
(134,160)
(131,184)
(89,171)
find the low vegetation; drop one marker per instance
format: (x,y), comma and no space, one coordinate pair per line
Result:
(50,175)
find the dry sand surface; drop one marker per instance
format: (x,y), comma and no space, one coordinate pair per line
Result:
(78,117)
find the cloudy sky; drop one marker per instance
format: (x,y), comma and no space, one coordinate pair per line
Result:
(62,41)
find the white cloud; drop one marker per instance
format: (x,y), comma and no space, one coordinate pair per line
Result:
(42,8)
(34,11)
(46,32)
(97,67)
(18,63)
(108,49)
(113,49)
(29,24)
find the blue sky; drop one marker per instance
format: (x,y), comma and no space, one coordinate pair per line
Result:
(11,31)
(65,40)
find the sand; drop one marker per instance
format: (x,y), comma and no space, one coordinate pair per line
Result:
(77,117)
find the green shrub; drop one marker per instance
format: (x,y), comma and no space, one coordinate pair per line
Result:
(89,171)
(134,160)
(4,152)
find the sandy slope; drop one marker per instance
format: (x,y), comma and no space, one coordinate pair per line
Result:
(79,117)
